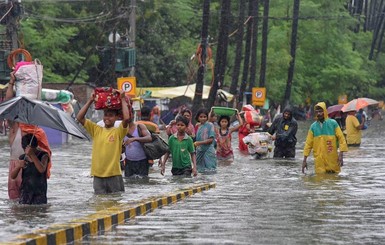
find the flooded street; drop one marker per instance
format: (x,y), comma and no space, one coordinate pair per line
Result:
(254,202)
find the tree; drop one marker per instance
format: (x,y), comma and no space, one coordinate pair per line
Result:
(292,52)
(246,61)
(197,102)
(265,31)
(221,55)
(254,47)
(60,47)
(238,50)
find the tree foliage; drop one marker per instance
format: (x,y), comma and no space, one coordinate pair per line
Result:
(331,56)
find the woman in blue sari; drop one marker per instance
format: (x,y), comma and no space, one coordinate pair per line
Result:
(204,144)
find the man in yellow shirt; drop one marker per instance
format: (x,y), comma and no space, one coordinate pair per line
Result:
(353,129)
(106,146)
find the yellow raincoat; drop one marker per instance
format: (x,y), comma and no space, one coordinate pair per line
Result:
(325,139)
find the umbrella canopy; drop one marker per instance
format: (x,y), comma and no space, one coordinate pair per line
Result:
(334,110)
(356,104)
(21,109)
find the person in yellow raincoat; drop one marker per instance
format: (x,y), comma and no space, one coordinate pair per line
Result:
(325,137)
(353,129)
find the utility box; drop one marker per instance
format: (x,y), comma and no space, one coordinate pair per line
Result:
(125,58)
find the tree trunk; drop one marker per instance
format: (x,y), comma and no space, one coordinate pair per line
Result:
(382,28)
(358,13)
(265,31)
(197,102)
(373,13)
(254,48)
(366,6)
(292,53)
(376,31)
(238,50)
(221,55)
(246,61)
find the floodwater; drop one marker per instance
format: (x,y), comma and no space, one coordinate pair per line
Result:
(254,202)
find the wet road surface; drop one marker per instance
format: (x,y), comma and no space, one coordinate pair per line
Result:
(254,202)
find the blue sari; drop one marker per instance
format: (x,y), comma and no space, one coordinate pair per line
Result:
(206,157)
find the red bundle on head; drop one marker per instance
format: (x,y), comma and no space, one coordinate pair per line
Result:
(105,98)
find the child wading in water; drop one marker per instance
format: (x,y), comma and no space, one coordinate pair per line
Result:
(33,166)
(224,149)
(206,158)
(106,146)
(182,151)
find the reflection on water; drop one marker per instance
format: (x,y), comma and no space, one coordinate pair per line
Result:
(255,201)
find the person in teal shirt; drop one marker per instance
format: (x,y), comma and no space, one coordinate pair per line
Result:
(182,151)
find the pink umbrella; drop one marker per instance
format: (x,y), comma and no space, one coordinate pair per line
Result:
(356,104)
(334,110)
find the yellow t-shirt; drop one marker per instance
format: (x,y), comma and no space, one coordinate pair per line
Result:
(353,135)
(106,149)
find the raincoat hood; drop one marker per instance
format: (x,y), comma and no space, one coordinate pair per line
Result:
(323,106)
(289,110)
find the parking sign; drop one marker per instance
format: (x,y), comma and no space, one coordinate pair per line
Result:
(128,84)
(258,96)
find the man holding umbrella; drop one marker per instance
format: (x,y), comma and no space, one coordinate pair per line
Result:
(353,126)
(106,146)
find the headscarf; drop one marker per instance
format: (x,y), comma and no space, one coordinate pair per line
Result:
(42,141)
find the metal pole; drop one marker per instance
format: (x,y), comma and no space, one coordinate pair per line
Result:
(132,30)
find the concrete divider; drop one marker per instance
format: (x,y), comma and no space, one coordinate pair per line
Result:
(102,220)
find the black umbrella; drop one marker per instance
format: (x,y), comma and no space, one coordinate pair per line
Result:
(24,110)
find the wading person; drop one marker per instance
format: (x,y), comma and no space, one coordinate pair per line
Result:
(145,115)
(182,151)
(33,167)
(106,146)
(190,130)
(204,144)
(223,138)
(136,163)
(325,137)
(353,129)
(16,131)
(283,131)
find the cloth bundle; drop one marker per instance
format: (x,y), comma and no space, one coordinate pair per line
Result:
(29,78)
(105,98)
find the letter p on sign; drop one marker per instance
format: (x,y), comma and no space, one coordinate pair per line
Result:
(128,85)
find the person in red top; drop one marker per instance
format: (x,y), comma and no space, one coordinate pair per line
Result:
(243,131)
(223,138)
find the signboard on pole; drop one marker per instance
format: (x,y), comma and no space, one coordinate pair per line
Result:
(258,96)
(128,84)
(342,99)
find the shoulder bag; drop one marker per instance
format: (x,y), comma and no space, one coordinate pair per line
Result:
(156,148)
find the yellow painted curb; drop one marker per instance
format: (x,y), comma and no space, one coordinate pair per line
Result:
(102,220)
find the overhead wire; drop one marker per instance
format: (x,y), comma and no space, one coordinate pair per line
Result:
(9,10)
(102,18)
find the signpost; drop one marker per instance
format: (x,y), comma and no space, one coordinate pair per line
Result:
(258,96)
